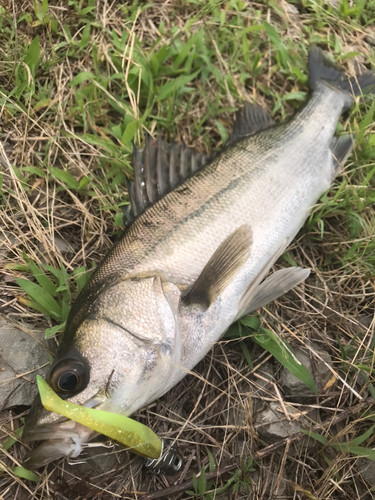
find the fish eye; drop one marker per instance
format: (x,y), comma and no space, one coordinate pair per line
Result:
(69,376)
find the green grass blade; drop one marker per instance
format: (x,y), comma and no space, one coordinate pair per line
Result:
(64,177)
(41,278)
(41,296)
(25,474)
(285,355)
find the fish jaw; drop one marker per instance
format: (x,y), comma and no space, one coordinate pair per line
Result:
(64,439)
(57,436)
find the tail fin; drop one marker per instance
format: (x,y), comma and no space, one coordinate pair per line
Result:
(321,68)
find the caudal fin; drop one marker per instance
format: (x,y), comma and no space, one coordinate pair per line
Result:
(321,68)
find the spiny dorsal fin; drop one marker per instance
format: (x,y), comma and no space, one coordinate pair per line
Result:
(249,119)
(159,167)
(221,268)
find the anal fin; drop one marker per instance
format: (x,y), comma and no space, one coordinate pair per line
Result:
(274,287)
(221,268)
(341,147)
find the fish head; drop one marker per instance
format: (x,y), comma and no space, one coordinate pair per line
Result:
(121,357)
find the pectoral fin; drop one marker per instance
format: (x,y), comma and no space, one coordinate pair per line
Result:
(221,268)
(273,287)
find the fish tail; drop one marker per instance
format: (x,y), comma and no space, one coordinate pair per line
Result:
(321,68)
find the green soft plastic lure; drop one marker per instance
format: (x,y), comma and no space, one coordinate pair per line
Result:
(122,429)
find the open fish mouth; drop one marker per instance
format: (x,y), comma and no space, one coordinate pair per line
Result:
(43,432)
(65,439)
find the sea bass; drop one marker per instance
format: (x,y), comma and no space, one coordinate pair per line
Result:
(205,232)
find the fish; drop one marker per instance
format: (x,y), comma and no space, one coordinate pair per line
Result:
(202,235)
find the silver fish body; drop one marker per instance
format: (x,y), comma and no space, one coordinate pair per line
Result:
(189,266)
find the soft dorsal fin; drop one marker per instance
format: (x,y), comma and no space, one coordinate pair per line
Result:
(249,119)
(159,167)
(221,268)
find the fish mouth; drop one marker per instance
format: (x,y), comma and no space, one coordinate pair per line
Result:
(63,440)
(47,452)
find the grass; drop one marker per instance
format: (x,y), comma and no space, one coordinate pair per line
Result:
(80,81)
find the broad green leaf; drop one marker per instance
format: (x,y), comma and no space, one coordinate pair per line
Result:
(10,441)
(64,277)
(359,451)
(171,88)
(314,435)
(95,140)
(64,177)
(43,103)
(285,355)
(349,447)
(222,131)
(41,278)
(54,271)
(277,42)
(234,331)
(40,296)
(85,36)
(211,461)
(183,53)
(252,322)
(246,353)
(25,474)
(33,305)
(81,275)
(83,182)
(65,306)
(202,482)
(35,171)
(50,332)
(356,441)
(119,220)
(81,77)
(295,96)
(32,56)
(130,131)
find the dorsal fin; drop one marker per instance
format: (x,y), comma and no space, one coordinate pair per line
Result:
(159,167)
(249,119)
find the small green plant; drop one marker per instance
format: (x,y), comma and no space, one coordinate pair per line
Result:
(241,478)
(352,446)
(17,470)
(202,486)
(283,352)
(54,291)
